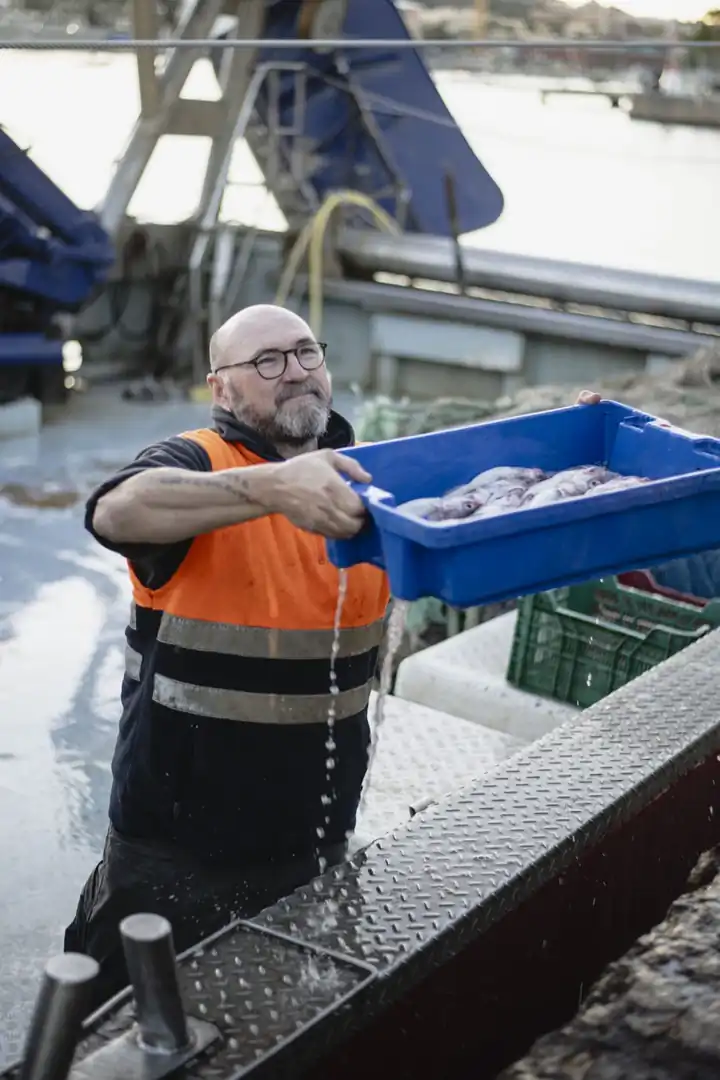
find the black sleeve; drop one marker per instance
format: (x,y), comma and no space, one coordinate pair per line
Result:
(154,564)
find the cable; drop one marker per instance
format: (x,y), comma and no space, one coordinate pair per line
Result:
(303,44)
(312,237)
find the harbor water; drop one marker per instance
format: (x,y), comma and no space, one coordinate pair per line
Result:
(581,180)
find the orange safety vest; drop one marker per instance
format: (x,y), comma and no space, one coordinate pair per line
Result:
(247,604)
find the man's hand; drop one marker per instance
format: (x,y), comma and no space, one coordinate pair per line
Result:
(588,397)
(311,492)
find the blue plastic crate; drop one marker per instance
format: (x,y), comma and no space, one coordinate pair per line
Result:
(480,561)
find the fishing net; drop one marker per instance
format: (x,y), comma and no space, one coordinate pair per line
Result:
(686,393)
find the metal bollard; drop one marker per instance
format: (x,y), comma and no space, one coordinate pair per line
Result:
(161,1041)
(150,957)
(62,1005)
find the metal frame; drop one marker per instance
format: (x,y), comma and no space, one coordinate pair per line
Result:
(627,291)
(202,42)
(525,319)
(578,831)
(160,97)
(241,106)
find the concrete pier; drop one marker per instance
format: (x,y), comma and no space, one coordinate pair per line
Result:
(669,109)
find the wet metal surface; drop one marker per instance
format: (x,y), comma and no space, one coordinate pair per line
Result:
(415,900)
(423,755)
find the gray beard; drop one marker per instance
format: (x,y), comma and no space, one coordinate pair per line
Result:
(294,426)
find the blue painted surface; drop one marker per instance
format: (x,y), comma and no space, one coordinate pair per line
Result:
(30,349)
(480,561)
(417,135)
(50,250)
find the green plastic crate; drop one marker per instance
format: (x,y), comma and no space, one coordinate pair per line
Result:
(579,644)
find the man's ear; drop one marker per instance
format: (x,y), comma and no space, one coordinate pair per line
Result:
(216,388)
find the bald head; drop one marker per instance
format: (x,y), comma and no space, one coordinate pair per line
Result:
(266,368)
(253,329)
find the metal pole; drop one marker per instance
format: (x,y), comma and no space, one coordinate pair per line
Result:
(145,23)
(302,44)
(150,957)
(61,1007)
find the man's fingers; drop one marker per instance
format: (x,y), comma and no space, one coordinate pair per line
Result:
(351,468)
(348,502)
(588,397)
(343,526)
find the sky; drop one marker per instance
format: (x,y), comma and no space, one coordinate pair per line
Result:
(688,10)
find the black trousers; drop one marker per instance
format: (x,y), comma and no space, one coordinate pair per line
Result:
(198,900)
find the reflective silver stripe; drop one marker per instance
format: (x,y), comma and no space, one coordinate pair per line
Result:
(260,643)
(133,663)
(133,616)
(256,708)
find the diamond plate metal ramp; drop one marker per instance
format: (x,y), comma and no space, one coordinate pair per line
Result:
(422,754)
(540,871)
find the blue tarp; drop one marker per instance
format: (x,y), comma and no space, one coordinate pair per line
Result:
(414,138)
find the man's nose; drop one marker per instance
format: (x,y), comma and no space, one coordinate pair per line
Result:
(294,372)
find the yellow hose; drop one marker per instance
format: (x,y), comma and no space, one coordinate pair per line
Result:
(312,237)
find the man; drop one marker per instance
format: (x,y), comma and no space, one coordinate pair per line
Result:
(229,787)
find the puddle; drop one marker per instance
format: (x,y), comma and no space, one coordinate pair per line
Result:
(43,499)
(317,976)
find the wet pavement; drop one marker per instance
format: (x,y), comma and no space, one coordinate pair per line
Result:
(63,609)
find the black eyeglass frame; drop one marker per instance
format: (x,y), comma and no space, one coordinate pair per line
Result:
(285,354)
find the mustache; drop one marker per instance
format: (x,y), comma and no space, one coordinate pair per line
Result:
(295,390)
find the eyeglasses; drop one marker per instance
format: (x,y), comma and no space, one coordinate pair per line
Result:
(273,363)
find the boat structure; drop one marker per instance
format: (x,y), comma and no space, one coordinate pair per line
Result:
(376,186)
(512,847)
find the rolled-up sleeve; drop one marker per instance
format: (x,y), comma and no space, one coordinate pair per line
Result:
(154,564)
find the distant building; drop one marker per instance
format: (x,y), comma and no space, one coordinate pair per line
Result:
(412,16)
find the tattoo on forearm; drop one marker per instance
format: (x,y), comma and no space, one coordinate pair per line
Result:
(237,487)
